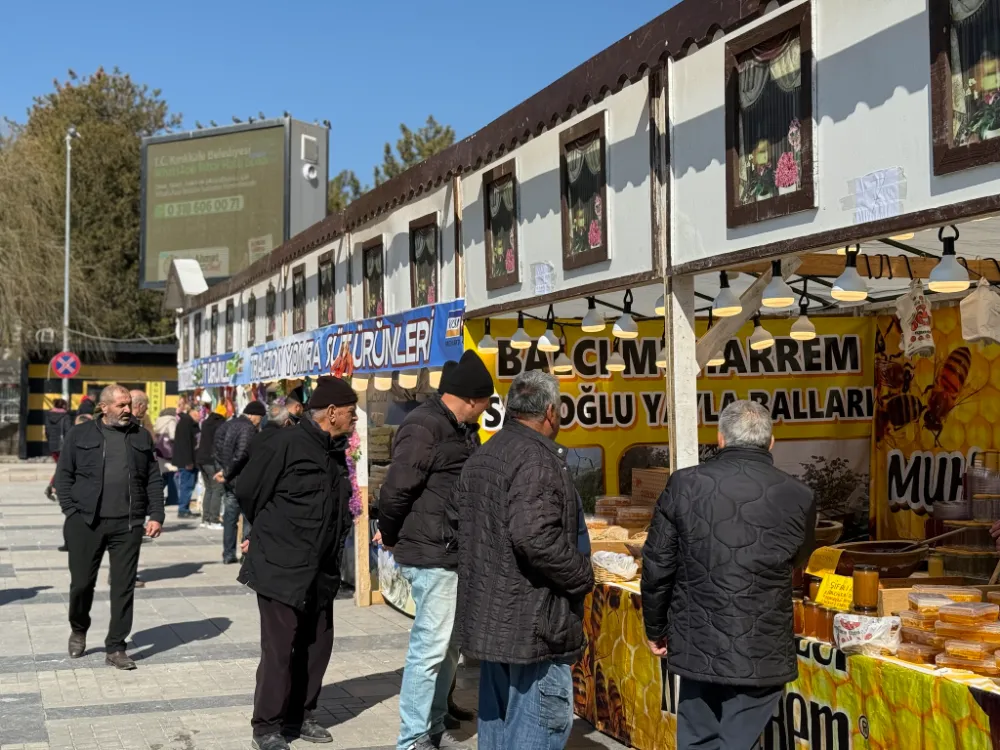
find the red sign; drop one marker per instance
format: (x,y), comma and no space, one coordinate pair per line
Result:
(65,365)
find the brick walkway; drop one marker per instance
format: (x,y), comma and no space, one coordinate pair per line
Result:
(195,640)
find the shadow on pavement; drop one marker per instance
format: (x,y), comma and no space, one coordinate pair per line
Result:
(9,596)
(371,689)
(163,638)
(169,572)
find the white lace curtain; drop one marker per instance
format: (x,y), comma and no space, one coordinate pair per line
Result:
(781,64)
(425,245)
(502,193)
(373,263)
(589,154)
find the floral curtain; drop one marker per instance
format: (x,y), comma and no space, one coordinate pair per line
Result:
(503,235)
(586,177)
(251,320)
(769,132)
(299,302)
(424,257)
(975,78)
(327,313)
(374,306)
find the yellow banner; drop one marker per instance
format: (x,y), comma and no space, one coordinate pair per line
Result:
(614,422)
(933,415)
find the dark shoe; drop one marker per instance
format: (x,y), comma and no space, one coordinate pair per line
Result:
(310,731)
(119,660)
(188,514)
(461,714)
(77,644)
(63,548)
(229,561)
(139,583)
(269,742)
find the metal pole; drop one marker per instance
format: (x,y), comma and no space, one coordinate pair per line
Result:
(65,342)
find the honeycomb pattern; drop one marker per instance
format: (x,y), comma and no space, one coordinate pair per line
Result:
(888,705)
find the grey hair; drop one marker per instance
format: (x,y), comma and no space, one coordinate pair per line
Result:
(532,393)
(315,414)
(746,424)
(139,397)
(108,394)
(278,413)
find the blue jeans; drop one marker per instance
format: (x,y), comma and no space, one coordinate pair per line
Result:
(432,657)
(231,523)
(186,481)
(170,487)
(528,707)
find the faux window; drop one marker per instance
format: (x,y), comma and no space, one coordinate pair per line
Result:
(502,262)
(251,320)
(371,258)
(584,193)
(213,331)
(299,299)
(230,323)
(271,311)
(424,261)
(769,118)
(185,335)
(965,83)
(327,312)
(197,335)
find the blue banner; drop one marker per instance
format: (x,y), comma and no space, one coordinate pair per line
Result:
(423,337)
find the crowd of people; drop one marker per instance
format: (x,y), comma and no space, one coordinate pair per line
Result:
(492,539)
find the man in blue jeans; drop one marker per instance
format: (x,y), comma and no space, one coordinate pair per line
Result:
(185,445)
(428,453)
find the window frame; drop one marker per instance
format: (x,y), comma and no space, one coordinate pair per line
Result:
(366,248)
(270,297)
(430,220)
(322,260)
(197,327)
(299,273)
(229,339)
(803,199)
(497,174)
(596,123)
(213,331)
(947,157)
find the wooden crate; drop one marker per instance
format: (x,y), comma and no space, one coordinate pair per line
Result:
(648,485)
(380,443)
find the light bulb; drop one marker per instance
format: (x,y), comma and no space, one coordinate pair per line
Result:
(487,344)
(383,382)
(434,378)
(359,383)
(409,378)
(948,275)
(593,321)
(726,303)
(761,338)
(562,365)
(626,327)
(549,342)
(615,363)
(520,339)
(661,307)
(717,360)
(849,286)
(777,294)
(661,357)
(803,329)
(903,237)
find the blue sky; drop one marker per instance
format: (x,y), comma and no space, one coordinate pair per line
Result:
(365,66)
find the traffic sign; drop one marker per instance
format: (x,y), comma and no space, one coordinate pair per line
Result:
(65,365)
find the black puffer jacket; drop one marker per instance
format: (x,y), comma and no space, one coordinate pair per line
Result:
(296,493)
(428,453)
(717,569)
(57,424)
(522,578)
(185,441)
(206,444)
(232,446)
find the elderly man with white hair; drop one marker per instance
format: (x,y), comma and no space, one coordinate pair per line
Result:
(717,582)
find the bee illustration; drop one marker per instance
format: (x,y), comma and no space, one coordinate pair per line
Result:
(945,393)
(895,413)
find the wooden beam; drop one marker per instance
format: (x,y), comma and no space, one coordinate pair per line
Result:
(682,372)
(725,328)
(879,266)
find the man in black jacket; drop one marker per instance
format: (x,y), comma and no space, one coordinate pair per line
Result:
(297,494)
(428,453)
(107,482)
(232,450)
(717,582)
(211,506)
(522,574)
(185,440)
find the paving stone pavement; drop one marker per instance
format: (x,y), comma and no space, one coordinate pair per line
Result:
(196,641)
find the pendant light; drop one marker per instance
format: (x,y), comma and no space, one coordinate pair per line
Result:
(777,294)
(661,306)
(409,378)
(434,378)
(616,362)
(661,353)
(548,341)
(719,358)
(383,382)
(593,321)
(726,303)
(948,275)
(850,286)
(359,383)
(520,339)
(562,365)
(487,344)
(803,328)
(761,338)
(626,327)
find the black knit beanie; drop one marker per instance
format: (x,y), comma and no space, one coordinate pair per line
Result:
(470,378)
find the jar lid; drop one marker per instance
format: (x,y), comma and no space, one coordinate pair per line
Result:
(866,568)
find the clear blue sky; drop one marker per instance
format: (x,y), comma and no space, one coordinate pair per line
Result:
(366,66)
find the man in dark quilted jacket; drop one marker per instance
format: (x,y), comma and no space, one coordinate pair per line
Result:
(717,582)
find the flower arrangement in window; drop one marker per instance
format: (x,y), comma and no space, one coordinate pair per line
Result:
(251,322)
(423,259)
(585,176)
(271,311)
(326,304)
(974,48)
(298,300)
(501,229)
(372,261)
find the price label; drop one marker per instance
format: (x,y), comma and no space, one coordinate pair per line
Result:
(836,592)
(823,561)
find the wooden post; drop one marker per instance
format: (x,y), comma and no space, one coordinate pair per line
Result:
(682,372)
(362,540)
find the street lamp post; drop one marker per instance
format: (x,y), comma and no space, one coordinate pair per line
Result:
(70,135)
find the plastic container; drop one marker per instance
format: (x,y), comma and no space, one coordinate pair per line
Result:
(927,603)
(969,613)
(924,638)
(984,667)
(955,593)
(969,650)
(981,633)
(917,653)
(917,621)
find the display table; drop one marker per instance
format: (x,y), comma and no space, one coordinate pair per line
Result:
(838,701)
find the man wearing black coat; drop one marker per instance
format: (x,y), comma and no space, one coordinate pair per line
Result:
(428,453)
(717,582)
(107,482)
(211,507)
(296,492)
(523,575)
(232,451)
(185,440)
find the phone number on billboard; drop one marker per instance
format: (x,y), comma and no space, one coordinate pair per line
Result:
(199,208)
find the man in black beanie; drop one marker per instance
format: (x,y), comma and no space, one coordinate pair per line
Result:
(296,492)
(428,453)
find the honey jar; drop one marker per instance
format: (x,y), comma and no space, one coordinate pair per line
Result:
(866,589)
(812,619)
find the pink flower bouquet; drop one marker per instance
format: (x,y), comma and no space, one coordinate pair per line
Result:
(787,174)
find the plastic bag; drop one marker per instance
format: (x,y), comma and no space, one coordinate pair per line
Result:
(858,634)
(617,563)
(981,314)
(916,338)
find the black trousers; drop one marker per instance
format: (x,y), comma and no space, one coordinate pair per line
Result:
(295,648)
(87,543)
(720,717)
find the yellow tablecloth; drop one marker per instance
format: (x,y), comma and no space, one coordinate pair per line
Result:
(838,701)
